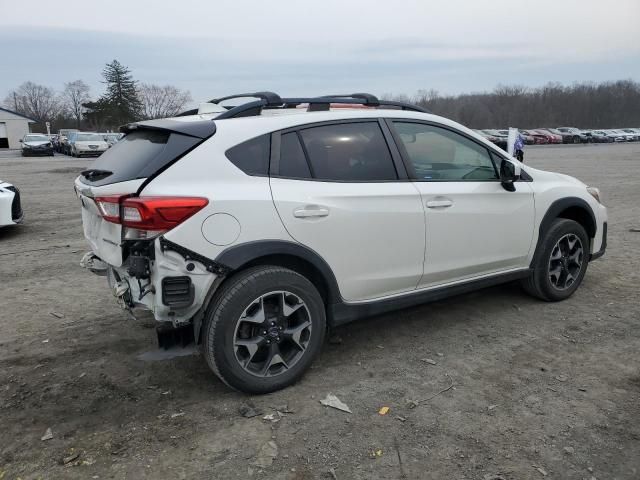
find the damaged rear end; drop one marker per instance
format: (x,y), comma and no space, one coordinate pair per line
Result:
(125,228)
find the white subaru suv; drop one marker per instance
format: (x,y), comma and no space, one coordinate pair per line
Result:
(252,229)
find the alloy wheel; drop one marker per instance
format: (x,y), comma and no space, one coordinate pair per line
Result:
(566,261)
(272,334)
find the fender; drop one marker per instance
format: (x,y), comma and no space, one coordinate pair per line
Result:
(554,211)
(237,256)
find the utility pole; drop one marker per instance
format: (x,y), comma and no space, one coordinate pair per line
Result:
(15,102)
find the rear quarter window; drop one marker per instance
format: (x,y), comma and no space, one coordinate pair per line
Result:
(252,156)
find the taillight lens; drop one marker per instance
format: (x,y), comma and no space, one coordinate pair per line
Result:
(159,213)
(153,215)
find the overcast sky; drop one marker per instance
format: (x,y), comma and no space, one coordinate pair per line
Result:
(297,47)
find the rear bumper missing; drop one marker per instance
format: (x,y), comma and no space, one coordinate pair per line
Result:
(174,285)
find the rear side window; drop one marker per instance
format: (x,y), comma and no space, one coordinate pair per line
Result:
(351,152)
(293,163)
(252,156)
(140,154)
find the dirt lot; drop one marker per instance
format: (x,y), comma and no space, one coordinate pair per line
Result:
(539,390)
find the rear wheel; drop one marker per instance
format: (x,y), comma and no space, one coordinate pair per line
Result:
(561,261)
(263,329)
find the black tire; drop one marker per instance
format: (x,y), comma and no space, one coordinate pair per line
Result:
(539,284)
(222,319)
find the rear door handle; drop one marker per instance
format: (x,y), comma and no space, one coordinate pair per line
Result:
(311,211)
(439,203)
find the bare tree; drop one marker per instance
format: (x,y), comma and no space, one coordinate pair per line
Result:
(74,95)
(35,101)
(160,102)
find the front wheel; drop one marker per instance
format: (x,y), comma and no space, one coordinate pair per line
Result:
(263,329)
(560,263)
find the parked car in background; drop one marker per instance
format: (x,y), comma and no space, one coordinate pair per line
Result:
(10,207)
(539,138)
(87,143)
(529,139)
(553,137)
(63,140)
(558,136)
(632,131)
(36,144)
(112,138)
(497,138)
(576,135)
(622,136)
(597,136)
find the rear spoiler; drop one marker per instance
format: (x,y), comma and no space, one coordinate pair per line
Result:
(198,129)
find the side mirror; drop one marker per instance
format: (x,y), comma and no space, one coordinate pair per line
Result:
(509,173)
(20,140)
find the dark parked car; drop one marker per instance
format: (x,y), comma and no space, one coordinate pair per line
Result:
(36,144)
(598,136)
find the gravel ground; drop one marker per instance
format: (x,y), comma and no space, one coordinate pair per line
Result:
(502,386)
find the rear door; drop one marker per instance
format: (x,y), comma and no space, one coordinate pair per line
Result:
(341,191)
(474,226)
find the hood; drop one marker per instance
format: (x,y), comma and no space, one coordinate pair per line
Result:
(36,143)
(569,178)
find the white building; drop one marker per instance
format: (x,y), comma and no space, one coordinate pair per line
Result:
(13,126)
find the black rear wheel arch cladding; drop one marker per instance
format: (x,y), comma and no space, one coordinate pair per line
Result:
(561,261)
(229,325)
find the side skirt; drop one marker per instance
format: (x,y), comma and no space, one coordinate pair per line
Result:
(341,313)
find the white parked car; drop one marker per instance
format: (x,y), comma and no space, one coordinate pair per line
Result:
(10,206)
(254,230)
(85,143)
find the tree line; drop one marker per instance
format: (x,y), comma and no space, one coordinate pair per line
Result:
(583,105)
(124,100)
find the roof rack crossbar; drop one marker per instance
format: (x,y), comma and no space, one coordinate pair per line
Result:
(367,97)
(270,98)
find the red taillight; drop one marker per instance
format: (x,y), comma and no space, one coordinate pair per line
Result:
(149,213)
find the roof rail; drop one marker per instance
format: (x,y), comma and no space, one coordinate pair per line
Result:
(270,100)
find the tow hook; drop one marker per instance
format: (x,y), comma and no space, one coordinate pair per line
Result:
(93,263)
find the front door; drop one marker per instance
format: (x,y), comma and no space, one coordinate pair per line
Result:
(474,226)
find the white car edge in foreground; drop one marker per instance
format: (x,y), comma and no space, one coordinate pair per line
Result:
(10,208)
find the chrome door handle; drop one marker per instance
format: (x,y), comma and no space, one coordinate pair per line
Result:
(439,203)
(307,212)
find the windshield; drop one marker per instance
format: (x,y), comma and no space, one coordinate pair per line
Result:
(36,138)
(89,137)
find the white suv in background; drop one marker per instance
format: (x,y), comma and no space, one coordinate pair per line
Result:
(252,230)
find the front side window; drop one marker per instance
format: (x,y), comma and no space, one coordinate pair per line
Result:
(438,154)
(351,152)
